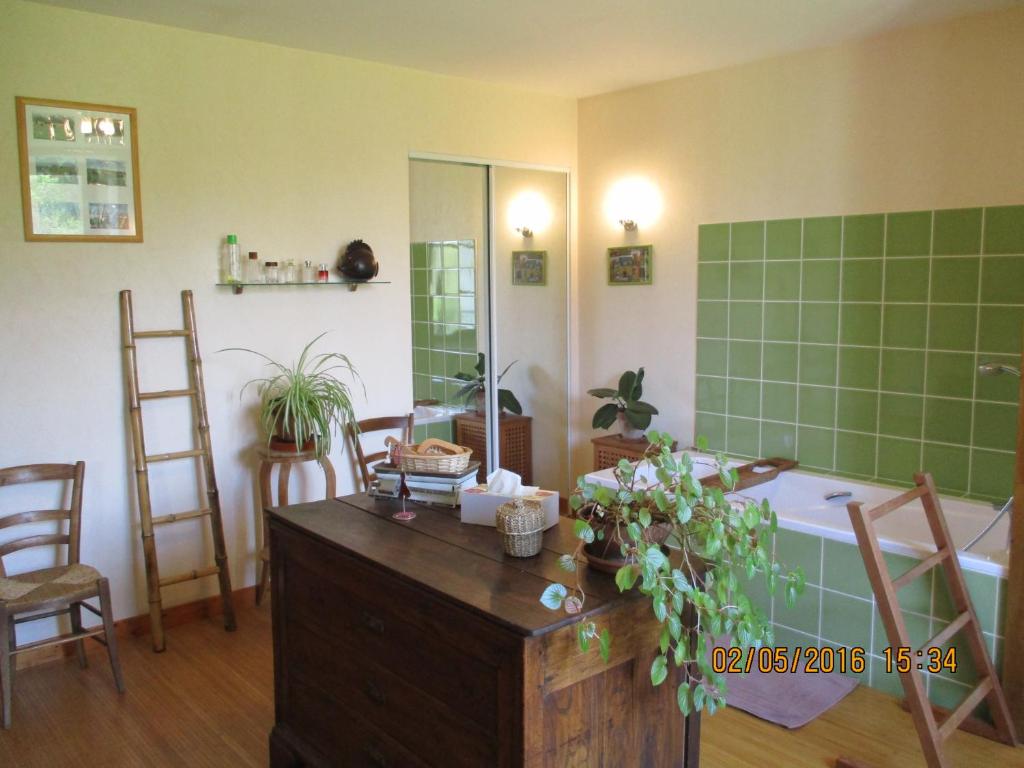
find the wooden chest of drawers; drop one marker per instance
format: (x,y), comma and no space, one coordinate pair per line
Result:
(419,644)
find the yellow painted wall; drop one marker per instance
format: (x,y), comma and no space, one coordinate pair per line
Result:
(920,119)
(297,153)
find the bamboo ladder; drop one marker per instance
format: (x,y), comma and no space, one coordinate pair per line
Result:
(197,395)
(930,730)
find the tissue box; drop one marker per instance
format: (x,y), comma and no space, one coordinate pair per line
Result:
(480,507)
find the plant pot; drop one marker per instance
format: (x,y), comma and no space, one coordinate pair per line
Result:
(606,554)
(627,430)
(283,444)
(480,401)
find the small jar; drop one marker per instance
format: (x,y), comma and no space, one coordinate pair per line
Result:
(322,275)
(253,268)
(271,272)
(308,273)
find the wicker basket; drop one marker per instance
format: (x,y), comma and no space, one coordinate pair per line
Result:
(431,455)
(521,525)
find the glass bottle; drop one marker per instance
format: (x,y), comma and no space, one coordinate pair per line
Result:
(231,269)
(271,272)
(322,274)
(253,270)
(291,273)
(308,273)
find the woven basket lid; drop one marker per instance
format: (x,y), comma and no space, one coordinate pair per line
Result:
(519,516)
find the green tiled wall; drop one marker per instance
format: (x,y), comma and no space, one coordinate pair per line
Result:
(837,609)
(443,322)
(850,343)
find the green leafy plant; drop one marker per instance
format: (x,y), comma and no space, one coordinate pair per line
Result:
(697,585)
(626,401)
(306,400)
(477,382)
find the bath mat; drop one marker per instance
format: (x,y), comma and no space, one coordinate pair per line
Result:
(789,699)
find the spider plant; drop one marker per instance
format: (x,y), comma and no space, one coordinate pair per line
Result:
(305,401)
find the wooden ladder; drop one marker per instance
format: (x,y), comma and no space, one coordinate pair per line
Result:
(211,511)
(931,731)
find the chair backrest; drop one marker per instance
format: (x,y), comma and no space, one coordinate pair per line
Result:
(36,473)
(364,461)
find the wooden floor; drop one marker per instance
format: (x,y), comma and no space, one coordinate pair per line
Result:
(208,701)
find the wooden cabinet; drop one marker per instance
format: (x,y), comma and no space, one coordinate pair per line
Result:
(610,448)
(515,441)
(422,644)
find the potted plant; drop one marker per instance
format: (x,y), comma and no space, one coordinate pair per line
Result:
(302,404)
(476,383)
(633,415)
(696,588)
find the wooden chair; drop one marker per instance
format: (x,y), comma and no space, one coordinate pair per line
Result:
(55,591)
(363,461)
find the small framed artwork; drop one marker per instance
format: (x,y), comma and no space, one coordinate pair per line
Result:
(79,171)
(630,265)
(529,267)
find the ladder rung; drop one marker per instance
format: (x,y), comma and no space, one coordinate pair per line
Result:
(190,576)
(974,698)
(159,334)
(925,565)
(950,629)
(893,504)
(175,455)
(166,393)
(179,516)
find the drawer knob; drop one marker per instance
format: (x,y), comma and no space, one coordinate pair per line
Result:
(373,624)
(377,757)
(375,694)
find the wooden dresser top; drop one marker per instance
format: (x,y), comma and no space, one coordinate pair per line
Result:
(462,563)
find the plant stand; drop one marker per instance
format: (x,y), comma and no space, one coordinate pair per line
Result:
(515,441)
(610,448)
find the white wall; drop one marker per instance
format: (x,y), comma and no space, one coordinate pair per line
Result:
(297,153)
(919,119)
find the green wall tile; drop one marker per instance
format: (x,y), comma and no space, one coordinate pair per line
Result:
(713,242)
(861,324)
(820,281)
(744,398)
(823,237)
(819,323)
(991,474)
(746,280)
(745,359)
(420,282)
(948,464)
(421,361)
(420,387)
(745,320)
(858,367)
(982,589)
(862,280)
(945,693)
(817,406)
(952,327)
(712,427)
(782,280)
(713,281)
(908,234)
(906,280)
(815,447)
(916,596)
(855,453)
(450,256)
(898,459)
(781,321)
(434,260)
(711,356)
(419,255)
(858,411)
(451,282)
(747,241)
(818,364)
(804,614)
(999,329)
(904,325)
(995,426)
(742,437)
(1002,280)
(900,415)
(846,620)
(1004,229)
(779,402)
(420,335)
(467,254)
(903,371)
(863,236)
(918,629)
(844,569)
(467,281)
(794,549)
(419,432)
(947,421)
(955,280)
(780,362)
(782,239)
(711,393)
(951,374)
(884,680)
(437,363)
(957,232)
(712,319)
(420,309)
(778,440)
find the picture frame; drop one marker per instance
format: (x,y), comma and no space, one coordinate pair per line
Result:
(79,171)
(631,265)
(529,267)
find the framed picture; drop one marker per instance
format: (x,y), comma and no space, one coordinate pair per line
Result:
(79,171)
(630,265)
(529,267)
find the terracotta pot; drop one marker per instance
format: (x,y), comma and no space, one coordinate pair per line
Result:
(606,554)
(627,430)
(283,444)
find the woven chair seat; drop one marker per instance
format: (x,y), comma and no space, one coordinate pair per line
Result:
(63,582)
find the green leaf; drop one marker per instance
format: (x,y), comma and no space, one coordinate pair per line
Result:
(659,670)
(702,443)
(660,610)
(684,513)
(751,515)
(638,387)
(626,383)
(675,626)
(605,416)
(605,643)
(508,401)
(603,392)
(639,406)
(655,558)
(553,596)
(683,698)
(626,577)
(645,518)
(660,499)
(635,531)
(581,530)
(638,419)
(582,636)
(567,563)
(664,640)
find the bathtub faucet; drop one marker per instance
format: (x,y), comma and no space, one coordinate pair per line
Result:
(1007,509)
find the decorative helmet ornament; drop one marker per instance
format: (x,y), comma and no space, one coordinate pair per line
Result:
(358,262)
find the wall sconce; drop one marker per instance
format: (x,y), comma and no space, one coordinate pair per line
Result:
(525,231)
(529,213)
(632,203)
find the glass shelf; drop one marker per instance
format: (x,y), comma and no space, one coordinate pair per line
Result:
(351,284)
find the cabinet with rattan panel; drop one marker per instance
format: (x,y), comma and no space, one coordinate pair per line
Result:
(610,448)
(515,441)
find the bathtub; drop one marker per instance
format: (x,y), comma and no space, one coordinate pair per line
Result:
(798,498)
